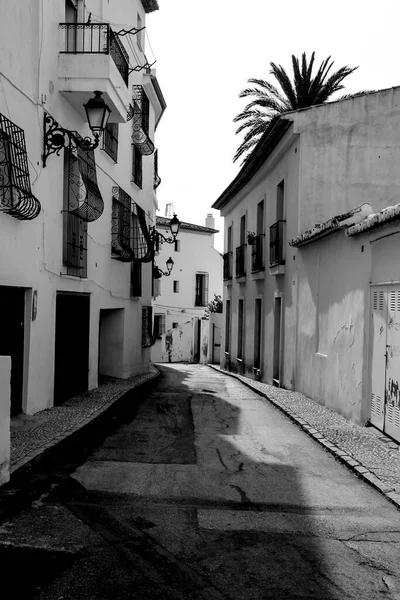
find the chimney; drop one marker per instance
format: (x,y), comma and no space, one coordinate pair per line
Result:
(210,222)
(169,210)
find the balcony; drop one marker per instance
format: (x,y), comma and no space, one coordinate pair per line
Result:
(228,266)
(257,254)
(94,58)
(241,261)
(277,248)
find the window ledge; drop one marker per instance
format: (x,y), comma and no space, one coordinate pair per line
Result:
(259,274)
(241,278)
(277,270)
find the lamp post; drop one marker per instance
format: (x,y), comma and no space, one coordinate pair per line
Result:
(57,137)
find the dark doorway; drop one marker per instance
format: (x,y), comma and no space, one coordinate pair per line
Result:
(12,317)
(71,362)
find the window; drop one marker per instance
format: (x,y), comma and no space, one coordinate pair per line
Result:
(137,161)
(201,294)
(240,329)
(110,140)
(159,325)
(136,278)
(257,333)
(176,286)
(280,201)
(177,245)
(227,326)
(157,178)
(228,256)
(243,230)
(257,254)
(241,250)
(174,325)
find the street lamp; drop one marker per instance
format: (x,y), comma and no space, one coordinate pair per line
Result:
(158,238)
(57,137)
(157,272)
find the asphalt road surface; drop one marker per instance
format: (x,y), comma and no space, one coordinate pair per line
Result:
(211,493)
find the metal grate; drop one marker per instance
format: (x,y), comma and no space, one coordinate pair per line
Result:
(137,166)
(121,225)
(110,140)
(147,327)
(16,198)
(257,258)
(276,243)
(228,265)
(96,38)
(140,114)
(84,196)
(240,261)
(141,241)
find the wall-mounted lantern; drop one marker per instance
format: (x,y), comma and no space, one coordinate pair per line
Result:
(57,137)
(158,238)
(157,272)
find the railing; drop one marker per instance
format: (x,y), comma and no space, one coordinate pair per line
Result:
(228,265)
(257,258)
(96,38)
(276,243)
(241,261)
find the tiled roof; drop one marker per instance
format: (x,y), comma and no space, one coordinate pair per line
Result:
(164,222)
(321,230)
(374,220)
(150,5)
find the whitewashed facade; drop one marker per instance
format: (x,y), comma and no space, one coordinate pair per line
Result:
(76,279)
(298,314)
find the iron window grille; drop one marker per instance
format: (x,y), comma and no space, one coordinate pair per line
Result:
(148,339)
(201,295)
(139,112)
(96,38)
(75,229)
(136,279)
(276,243)
(16,198)
(157,178)
(121,225)
(142,244)
(257,255)
(137,167)
(84,198)
(228,265)
(240,260)
(159,326)
(110,140)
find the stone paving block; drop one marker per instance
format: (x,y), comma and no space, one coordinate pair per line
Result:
(361,469)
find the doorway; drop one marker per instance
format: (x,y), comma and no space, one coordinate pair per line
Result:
(12,326)
(71,362)
(385,359)
(277,358)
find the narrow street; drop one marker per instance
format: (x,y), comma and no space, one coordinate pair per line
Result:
(212,493)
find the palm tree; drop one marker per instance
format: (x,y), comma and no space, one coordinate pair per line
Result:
(305,90)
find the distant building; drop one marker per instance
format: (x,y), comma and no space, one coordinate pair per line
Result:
(195,278)
(299,295)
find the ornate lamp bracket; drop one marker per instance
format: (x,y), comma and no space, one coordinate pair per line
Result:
(56,138)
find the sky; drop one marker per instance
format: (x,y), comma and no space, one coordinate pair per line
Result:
(206,51)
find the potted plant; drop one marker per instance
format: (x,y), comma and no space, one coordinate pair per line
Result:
(251,238)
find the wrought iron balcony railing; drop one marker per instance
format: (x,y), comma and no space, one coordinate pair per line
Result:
(228,265)
(257,254)
(96,38)
(241,261)
(277,243)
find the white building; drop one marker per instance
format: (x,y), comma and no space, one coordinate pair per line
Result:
(75,250)
(299,317)
(195,278)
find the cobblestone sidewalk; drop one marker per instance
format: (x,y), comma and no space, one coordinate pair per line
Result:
(365,450)
(31,435)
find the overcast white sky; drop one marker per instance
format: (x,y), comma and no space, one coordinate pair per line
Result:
(206,50)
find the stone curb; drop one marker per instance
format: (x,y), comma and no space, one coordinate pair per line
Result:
(78,428)
(354,465)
